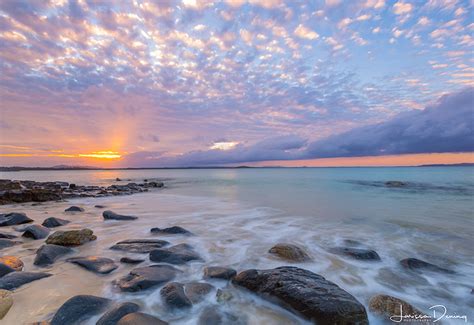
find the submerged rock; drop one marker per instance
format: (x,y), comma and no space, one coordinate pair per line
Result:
(79,308)
(142,278)
(47,254)
(219,272)
(110,215)
(129,260)
(53,222)
(174,297)
(197,291)
(395,184)
(99,206)
(357,253)
(140,319)
(113,315)
(5,269)
(5,243)
(290,252)
(17,279)
(387,306)
(178,254)
(74,209)
(306,293)
(36,232)
(12,261)
(224,295)
(212,315)
(95,264)
(415,264)
(14,218)
(71,237)
(7,236)
(140,245)
(6,302)
(175,230)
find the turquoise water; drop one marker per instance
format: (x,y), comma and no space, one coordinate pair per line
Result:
(239,214)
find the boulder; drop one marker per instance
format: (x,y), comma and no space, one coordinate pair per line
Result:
(113,315)
(129,260)
(110,215)
(142,278)
(13,218)
(175,230)
(16,279)
(79,308)
(6,302)
(140,319)
(174,297)
(386,306)
(178,254)
(5,269)
(47,254)
(71,237)
(12,261)
(197,291)
(290,252)
(139,245)
(36,232)
(5,243)
(95,264)
(53,222)
(304,292)
(219,272)
(74,209)
(356,253)
(415,264)
(7,236)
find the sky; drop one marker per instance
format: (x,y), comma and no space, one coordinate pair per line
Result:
(205,83)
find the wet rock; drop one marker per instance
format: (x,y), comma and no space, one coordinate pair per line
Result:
(47,254)
(110,215)
(395,184)
(53,222)
(5,269)
(118,179)
(174,297)
(219,272)
(113,315)
(224,295)
(6,302)
(20,228)
(17,279)
(357,253)
(175,230)
(415,264)
(290,252)
(5,243)
(79,308)
(142,278)
(71,237)
(36,232)
(140,245)
(74,209)
(212,315)
(13,218)
(95,264)
(12,261)
(386,306)
(30,195)
(352,242)
(7,236)
(306,293)
(129,260)
(99,206)
(178,254)
(140,319)
(197,291)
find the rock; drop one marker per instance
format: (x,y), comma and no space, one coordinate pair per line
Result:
(212,315)
(306,293)
(219,272)
(30,195)
(196,291)
(7,236)
(74,209)
(72,186)
(174,297)
(53,222)
(415,264)
(79,308)
(36,232)
(139,245)
(109,215)
(5,269)
(129,260)
(17,279)
(142,278)
(140,319)
(6,302)
(395,184)
(171,231)
(178,254)
(113,315)
(290,252)
(5,243)
(47,254)
(71,237)
(352,242)
(95,264)
(13,218)
(357,253)
(118,179)
(387,306)
(12,261)
(223,295)
(99,206)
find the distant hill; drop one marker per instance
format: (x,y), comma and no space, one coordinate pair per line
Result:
(448,165)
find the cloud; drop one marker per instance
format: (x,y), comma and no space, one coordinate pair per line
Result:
(304,32)
(401,8)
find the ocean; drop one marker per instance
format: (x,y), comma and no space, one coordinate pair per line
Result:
(237,215)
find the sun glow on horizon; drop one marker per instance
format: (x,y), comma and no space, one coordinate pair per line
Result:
(95,154)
